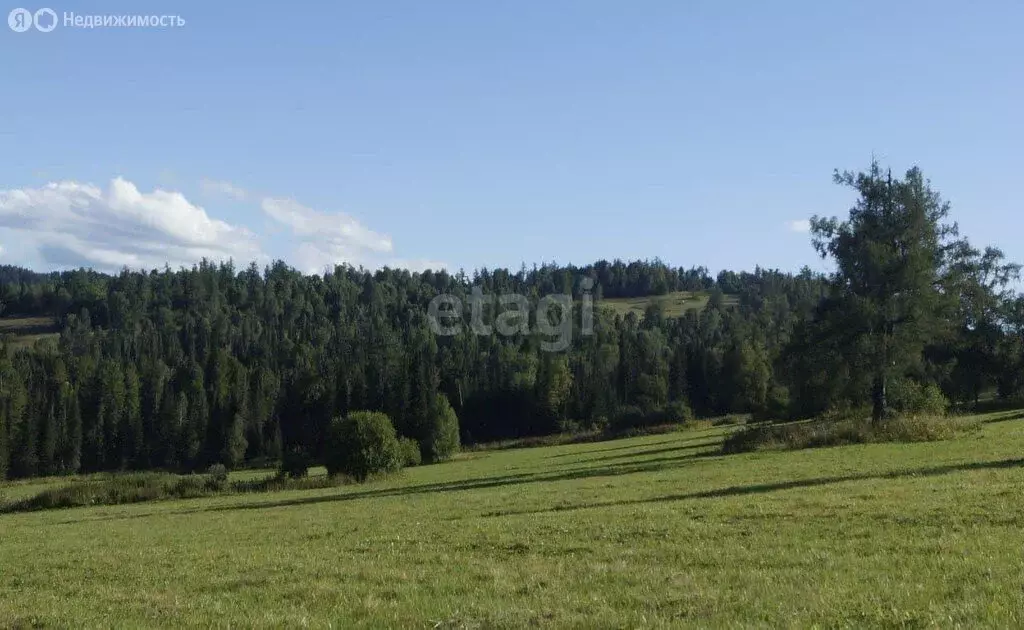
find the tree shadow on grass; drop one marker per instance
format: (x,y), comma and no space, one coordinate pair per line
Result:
(653,451)
(762,488)
(623,447)
(584,472)
(568,474)
(617,470)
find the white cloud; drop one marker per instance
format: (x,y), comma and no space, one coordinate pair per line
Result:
(801,226)
(326,238)
(214,187)
(72,224)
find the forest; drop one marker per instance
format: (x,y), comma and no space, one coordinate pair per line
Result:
(182,369)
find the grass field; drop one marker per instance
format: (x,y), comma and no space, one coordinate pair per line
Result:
(656,531)
(675,303)
(25,331)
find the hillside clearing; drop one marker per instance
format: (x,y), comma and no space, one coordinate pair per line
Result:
(24,332)
(675,304)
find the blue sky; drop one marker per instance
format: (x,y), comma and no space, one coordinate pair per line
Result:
(492,133)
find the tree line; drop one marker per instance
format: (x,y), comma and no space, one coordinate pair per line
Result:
(182,369)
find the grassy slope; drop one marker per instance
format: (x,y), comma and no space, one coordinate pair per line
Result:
(653,531)
(676,303)
(25,331)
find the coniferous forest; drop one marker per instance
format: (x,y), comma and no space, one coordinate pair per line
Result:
(181,369)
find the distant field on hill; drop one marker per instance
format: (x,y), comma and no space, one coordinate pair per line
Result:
(660,531)
(675,303)
(25,331)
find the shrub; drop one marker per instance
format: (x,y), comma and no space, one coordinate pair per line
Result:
(218,473)
(277,483)
(679,412)
(776,405)
(442,434)
(820,433)
(362,444)
(600,423)
(925,428)
(120,489)
(627,417)
(910,397)
(631,419)
(566,425)
(294,463)
(410,450)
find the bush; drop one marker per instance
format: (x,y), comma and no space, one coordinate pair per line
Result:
(410,450)
(600,423)
(631,419)
(776,405)
(566,425)
(218,474)
(442,435)
(278,483)
(678,412)
(294,463)
(910,397)
(820,433)
(362,444)
(120,489)
(628,417)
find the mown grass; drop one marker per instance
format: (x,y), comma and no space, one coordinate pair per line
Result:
(656,531)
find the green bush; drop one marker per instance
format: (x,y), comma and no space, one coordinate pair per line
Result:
(219,474)
(278,483)
(120,489)
(628,417)
(600,423)
(910,397)
(631,419)
(442,435)
(678,412)
(362,444)
(776,405)
(821,433)
(566,425)
(294,463)
(410,450)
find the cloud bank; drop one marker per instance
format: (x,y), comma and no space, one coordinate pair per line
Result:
(326,238)
(71,224)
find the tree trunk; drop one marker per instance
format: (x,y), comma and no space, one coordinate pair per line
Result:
(879,406)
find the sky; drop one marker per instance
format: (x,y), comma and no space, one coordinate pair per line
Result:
(468,133)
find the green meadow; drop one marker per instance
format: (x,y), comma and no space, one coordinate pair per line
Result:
(24,332)
(674,304)
(655,531)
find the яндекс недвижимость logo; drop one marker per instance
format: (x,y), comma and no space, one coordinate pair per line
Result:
(21,20)
(44,20)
